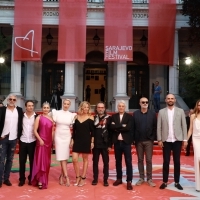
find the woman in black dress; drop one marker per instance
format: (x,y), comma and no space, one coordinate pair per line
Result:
(82,140)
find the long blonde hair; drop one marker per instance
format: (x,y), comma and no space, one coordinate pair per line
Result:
(80,108)
(196,109)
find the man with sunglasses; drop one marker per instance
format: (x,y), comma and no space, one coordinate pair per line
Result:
(10,130)
(144,134)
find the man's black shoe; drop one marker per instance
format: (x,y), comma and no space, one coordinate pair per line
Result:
(94,182)
(0,185)
(129,185)
(163,186)
(21,183)
(117,182)
(7,182)
(105,183)
(178,186)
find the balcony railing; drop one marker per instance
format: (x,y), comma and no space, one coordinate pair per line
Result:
(133,1)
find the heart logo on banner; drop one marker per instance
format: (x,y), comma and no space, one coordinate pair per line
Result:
(28,36)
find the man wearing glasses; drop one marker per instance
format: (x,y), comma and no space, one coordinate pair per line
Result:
(144,134)
(101,142)
(10,129)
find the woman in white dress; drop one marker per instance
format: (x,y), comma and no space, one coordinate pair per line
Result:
(63,119)
(195,131)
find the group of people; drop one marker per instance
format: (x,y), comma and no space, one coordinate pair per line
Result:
(98,134)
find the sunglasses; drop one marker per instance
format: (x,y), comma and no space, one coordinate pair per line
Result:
(143,102)
(12,99)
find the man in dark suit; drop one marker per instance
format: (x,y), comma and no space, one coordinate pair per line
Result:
(122,137)
(187,153)
(171,135)
(10,129)
(144,134)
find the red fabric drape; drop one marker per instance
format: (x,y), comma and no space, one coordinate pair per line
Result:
(72,30)
(162,16)
(118,40)
(27,30)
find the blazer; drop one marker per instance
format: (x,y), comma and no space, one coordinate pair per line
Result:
(151,128)
(179,125)
(124,127)
(20,117)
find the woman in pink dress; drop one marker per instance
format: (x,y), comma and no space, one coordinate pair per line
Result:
(43,129)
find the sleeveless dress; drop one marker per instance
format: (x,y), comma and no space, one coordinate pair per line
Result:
(196,146)
(82,133)
(42,157)
(62,139)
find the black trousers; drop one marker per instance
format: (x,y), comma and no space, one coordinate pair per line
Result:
(121,148)
(175,147)
(24,150)
(105,157)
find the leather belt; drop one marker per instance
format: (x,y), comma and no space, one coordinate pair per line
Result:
(5,136)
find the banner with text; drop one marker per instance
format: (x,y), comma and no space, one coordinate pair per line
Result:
(27,30)
(161,33)
(118,33)
(72,30)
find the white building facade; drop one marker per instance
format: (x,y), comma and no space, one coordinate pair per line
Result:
(123,80)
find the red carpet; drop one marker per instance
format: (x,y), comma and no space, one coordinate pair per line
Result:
(99,192)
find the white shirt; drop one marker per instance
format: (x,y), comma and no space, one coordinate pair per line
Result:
(120,135)
(10,124)
(171,135)
(28,129)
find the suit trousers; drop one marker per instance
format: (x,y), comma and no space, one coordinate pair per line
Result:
(24,150)
(105,157)
(175,147)
(145,147)
(121,148)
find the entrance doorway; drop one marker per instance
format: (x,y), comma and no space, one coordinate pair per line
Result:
(95,79)
(138,84)
(52,74)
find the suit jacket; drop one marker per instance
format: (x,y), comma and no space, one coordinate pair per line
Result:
(124,127)
(179,125)
(151,127)
(20,117)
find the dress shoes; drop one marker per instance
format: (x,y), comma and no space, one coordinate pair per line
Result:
(117,182)
(163,186)
(129,185)
(178,186)
(0,185)
(21,183)
(94,182)
(105,183)
(7,182)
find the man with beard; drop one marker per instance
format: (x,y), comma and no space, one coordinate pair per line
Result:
(171,134)
(10,129)
(144,134)
(101,142)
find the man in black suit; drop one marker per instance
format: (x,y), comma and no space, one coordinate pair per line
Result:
(122,137)
(10,130)
(188,126)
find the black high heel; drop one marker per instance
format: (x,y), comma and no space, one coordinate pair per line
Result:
(66,181)
(61,179)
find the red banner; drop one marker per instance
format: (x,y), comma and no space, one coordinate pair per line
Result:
(161,33)
(72,30)
(27,30)
(118,44)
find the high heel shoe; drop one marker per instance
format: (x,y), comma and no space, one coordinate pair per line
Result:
(39,185)
(82,182)
(61,179)
(78,178)
(66,181)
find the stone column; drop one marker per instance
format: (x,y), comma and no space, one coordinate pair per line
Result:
(69,92)
(121,82)
(174,70)
(15,87)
